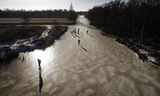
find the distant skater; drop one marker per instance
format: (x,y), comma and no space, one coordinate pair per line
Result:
(78,42)
(87,31)
(78,31)
(75,30)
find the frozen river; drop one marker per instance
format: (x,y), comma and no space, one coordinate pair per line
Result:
(99,66)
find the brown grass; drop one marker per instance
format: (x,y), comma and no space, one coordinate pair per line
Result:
(11,34)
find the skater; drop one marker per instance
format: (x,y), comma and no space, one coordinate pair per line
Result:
(75,30)
(87,31)
(78,42)
(78,31)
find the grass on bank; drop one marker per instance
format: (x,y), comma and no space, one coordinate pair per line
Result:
(12,33)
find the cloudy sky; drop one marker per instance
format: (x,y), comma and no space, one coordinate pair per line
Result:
(79,5)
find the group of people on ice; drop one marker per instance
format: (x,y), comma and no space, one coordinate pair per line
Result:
(76,33)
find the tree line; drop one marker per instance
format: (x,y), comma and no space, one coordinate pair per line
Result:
(7,13)
(138,20)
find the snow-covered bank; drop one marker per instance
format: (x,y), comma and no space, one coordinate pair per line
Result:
(34,42)
(145,52)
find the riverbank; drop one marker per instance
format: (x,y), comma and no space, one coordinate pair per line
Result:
(27,38)
(146,52)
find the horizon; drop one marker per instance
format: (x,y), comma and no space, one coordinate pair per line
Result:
(79,5)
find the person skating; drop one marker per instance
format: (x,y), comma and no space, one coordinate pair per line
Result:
(87,31)
(78,42)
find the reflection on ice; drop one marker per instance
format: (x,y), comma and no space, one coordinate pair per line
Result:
(46,56)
